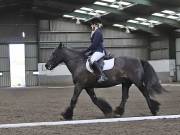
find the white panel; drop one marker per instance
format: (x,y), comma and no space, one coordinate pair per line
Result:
(59,70)
(17,65)
(163,65)
(158,65)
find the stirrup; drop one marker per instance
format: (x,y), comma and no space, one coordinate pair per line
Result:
(102,79)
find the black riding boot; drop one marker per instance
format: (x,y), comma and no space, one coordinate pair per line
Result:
(102,76)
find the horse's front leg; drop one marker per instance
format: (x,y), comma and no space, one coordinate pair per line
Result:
(125,94)
(68,113)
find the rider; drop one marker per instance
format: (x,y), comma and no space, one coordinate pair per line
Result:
(97,48)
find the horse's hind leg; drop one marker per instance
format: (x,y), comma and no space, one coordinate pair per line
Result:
(125,94)
(100,103)
(153,104)
(68,113)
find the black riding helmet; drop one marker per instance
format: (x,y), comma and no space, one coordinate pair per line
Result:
(95,20)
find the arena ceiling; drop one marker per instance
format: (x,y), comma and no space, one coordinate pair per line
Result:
(151,16)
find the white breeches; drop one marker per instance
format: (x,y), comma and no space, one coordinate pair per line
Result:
(96,56)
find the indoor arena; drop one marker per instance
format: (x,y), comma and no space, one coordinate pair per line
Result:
(89,67)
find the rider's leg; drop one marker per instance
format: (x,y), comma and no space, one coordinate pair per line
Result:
(94,58)
(102,76)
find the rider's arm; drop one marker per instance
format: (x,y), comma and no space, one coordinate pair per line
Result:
(88,49)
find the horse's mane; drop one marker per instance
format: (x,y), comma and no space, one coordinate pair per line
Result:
(78,53)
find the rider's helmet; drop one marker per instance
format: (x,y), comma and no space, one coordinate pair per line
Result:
(96,20)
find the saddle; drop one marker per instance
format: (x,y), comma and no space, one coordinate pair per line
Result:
(101,62)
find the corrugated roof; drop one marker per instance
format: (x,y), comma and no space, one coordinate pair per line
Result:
(144,15)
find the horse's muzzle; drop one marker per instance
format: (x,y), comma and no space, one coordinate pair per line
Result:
(48,67)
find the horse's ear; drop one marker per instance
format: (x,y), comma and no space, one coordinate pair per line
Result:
(60,45)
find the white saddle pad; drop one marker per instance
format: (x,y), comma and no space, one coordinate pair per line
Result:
(108,64)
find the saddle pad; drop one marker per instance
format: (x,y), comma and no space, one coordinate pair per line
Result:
(108,64)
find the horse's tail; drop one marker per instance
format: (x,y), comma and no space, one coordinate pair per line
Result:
(151,80)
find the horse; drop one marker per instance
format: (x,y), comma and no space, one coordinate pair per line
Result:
(126,71)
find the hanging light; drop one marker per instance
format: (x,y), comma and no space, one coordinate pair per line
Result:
(151,25)
(97,14)
(23,34)
(127,30)
(114,2)
(120,7)
(78,21)
(179,19)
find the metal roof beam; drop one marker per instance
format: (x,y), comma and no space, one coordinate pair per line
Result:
(143,28)
(138,26)
(170,22)
(106,22)
(168,3)
(80,15)
(124,13)
(141,2)
(111,10)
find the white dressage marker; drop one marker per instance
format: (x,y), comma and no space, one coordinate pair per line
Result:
(75,122)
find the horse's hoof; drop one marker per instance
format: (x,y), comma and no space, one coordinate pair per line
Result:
(116,116)
(65,117)
(154,113)
(61,117)
(119,111)
(109,115)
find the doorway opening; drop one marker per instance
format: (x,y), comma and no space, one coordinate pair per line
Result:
(17,65)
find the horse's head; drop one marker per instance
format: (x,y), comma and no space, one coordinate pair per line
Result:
(56,58)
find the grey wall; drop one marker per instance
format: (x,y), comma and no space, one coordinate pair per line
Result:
(159,48)
(163,47)
(4,65)
(118,43)
(31,60)
(178,57)
(11,28)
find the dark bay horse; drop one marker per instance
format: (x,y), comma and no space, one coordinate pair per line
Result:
(126,71)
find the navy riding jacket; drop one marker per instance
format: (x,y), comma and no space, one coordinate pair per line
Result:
(96,42)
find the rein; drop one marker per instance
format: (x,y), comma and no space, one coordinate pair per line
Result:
(80,57)
(75,59)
